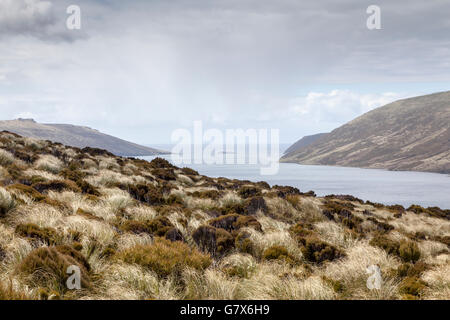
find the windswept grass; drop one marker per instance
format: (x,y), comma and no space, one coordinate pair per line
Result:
(150,230)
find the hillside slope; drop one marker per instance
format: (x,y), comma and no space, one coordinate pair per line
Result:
(76,136)
(150,230)
(410,134)
(304,142)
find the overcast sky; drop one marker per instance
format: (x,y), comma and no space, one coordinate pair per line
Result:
(141,69)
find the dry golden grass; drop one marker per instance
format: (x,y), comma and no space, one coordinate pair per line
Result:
(272,263)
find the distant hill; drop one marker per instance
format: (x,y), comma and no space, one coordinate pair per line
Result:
(410,134)
(76,136)
(304,142)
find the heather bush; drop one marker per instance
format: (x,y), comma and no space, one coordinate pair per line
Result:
(244,244)
(56,185)
(216,241)
(254,204)
(278,253)
(165,257)
(164,174)
(388,245)
(412,287)
(409,251)
(317,251)
(247,192)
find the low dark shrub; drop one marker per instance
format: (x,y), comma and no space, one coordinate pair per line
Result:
(412,286)
(300,232)
(2,254)
(216,241)
(165,257)
(57,185)
(412,270)
(278,253)
(161,163)
(247,192)
(263,185)
(164,174)
(189,172)
(87,188)
(344,197)
(397,208)
(232,222)
(317,251)
(174,235)
(97,152)
(388,245)
(47,235)
(145,193)
(409,251)
(283,191)
(254,204)
(174,199)
(243,243)
(381,226)
(72,174)
(159,226)
(208,194)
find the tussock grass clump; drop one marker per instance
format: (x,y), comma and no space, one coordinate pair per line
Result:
(49,163)
(165,257)
(143,226)
(6,158)
(7,292)
(48,236)
(7,202)
(48,267)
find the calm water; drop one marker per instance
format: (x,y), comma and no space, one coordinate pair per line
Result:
(388,187)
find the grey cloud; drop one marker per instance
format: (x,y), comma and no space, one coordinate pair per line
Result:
(39,19)
(229,62)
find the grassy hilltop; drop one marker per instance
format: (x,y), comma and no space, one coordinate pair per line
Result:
(149,230)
